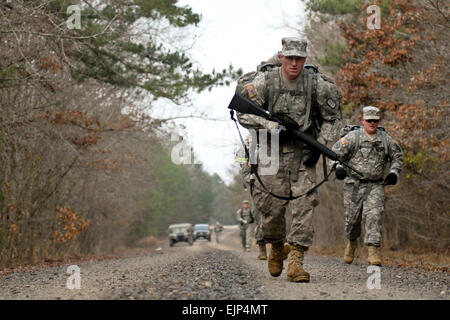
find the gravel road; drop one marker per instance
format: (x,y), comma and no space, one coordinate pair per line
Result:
(208,270)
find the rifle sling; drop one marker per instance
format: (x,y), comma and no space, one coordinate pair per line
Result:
(291,197)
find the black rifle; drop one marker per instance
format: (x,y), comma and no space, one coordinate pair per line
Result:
(244,105)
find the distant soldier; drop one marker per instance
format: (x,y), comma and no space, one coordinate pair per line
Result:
(245,218)
(190,232)
(217,230)
(368,149)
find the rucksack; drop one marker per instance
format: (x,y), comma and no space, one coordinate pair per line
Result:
(350,127)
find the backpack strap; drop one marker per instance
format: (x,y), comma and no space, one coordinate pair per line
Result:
(357,142)
(270,96)
(384,142)
(309,80)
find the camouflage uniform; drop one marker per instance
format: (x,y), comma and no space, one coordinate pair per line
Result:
(274,92)
(245,218)
(217,230)
(364,196)
(259,237)
(190,231)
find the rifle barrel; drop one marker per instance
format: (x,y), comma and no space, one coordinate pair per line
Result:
(244,105)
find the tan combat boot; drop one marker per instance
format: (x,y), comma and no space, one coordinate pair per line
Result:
(262,252)
(373,257)
(349,253)
(275,262)
(286,250)
(295,270)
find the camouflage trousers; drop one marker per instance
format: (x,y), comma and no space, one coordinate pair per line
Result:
(217,235)
(272,210)
(364,201)
(246,235)
(258,221)
(259,237)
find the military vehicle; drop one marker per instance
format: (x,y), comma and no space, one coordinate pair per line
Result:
(181,232)
(202,231)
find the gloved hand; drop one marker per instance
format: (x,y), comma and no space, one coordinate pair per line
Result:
(341,173)
(244,221)
(312,158)
(391,179)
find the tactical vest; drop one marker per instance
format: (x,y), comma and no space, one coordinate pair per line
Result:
(275,89)
(250,214)
(348,128)
(368,156)
(295,103)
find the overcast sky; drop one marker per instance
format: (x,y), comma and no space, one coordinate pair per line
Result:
(242,33)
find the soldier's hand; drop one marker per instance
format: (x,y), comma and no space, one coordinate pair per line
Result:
(271,125)
(244,221)
(391,179)
(312,158)
(287,121)
(341,173)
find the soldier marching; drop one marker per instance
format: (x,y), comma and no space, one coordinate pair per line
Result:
(369,148)
(311,99)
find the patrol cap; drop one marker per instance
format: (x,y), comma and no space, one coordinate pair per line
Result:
(371,113)
(245,201)
(294,47)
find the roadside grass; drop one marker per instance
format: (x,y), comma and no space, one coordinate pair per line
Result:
(413,258)
(146,245)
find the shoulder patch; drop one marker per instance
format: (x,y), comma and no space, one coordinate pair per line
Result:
(343,141)
(331,103)
(379,147)
(250,90)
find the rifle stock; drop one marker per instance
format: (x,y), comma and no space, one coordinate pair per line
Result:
(242,104)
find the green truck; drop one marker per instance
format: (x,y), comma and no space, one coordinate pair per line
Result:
(181,232)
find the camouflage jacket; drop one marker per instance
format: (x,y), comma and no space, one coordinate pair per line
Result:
(269,90)
(371,158)
(246,215)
